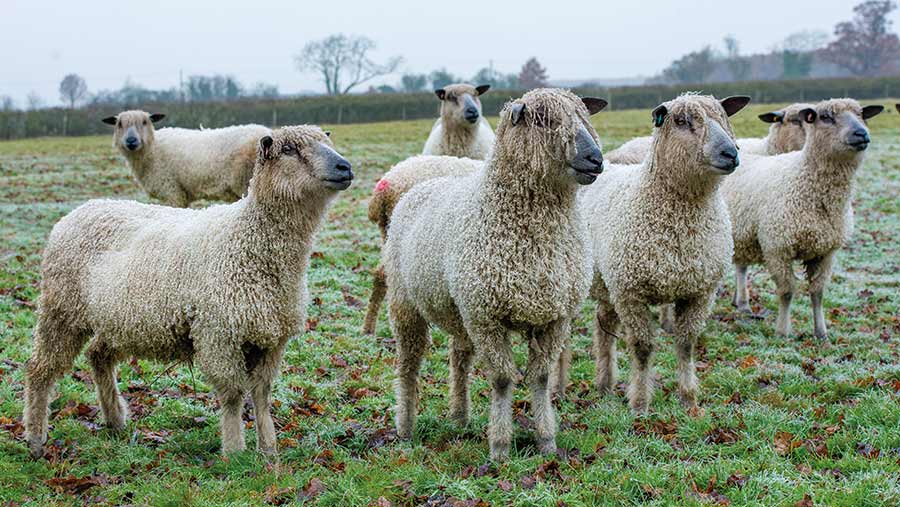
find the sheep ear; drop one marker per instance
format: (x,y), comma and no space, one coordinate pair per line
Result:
(734,103)
(594,105)
(898,107)
(441,93)
(327,133)
(773,117)
(517,113)
(109,120)
(265,147)
(481,90)
(155,117)
(659,115)
(809,115)
(871,111)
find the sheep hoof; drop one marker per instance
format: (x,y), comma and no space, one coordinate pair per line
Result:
(461,420)
(688,399)
(36,448)
(368,329)
(270,453)
(546,445)
(639,407)
(604,386)
(823,336)
(500,450)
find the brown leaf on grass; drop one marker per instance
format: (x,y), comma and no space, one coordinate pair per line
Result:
(360,393)
(737,480)
(803,468)
(785,443)
(279,496)
(313,488)
(549,471)
(13,426)
(735,399)
(749,362)
(809,368)
(806,501)
(709,494)
(816,446)
(382,502)
(80,410)
(76,485)
(650,492)
(505,485)
(867,450)
(667,430)
(527,482)
(338,361)
(722,436)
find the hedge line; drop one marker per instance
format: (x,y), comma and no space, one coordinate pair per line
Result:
(404,106)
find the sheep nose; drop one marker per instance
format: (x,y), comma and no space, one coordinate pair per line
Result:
(596,160)
(343,166)
(131,143)
(471,114)
(862,135)
(729,153)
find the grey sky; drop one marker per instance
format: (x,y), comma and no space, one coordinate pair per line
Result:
(150,41)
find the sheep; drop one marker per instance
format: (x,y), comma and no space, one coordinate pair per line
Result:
(388,191)
(501,250)
(179,166)
(660,234)
(797,206)
(225,286)
(461,131)
(785,135)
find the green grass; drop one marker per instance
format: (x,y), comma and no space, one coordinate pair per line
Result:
(781,419)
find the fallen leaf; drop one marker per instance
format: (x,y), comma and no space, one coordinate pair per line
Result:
(785,443)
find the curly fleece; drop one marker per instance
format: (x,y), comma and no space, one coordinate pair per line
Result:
(502,250)
(223,286)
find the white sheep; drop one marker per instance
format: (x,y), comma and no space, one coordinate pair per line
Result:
(499,251)
(224,286)
(797,206)
(660,234)
(461,131)
(179,166)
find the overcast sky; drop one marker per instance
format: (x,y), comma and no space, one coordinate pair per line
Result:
(150,41)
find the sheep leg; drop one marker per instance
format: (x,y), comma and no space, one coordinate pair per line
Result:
(492,341)
(462,355)
(55,349)
(783,275)
(741,299)
(690,316)
(635,318)
(605,369)
(544,348)
(559,375)
(818,274)
(232,402)
(379,289)
(262,378)
(226,369)
(103,360)
(667,318)
(411,332)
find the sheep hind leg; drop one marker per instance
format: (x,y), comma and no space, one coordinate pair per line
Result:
(232,403)
(411,332)
(559,374)
(636,320)
(103,360)
(741,299)
(261,378)
(605,369)
(55,348)
(818,273)
(379,289)
(544,348)
(667,318)
(462,356)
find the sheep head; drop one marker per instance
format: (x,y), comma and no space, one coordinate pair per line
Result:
(838,126)
(549,132)
(460,106)
(296,162)
(693,137)
(787,132)
(134,130)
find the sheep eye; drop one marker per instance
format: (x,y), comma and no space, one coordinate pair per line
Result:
(680,121)
(145,122)
(827,118)
(288,149)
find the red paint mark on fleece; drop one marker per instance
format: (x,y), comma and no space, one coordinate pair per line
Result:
(382,185)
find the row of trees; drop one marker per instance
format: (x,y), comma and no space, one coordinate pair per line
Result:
(863,46)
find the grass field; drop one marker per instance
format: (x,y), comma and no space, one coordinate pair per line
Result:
(784,421)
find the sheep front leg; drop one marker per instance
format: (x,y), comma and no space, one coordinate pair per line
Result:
(635,316)
(667,318)
(494,347)
(741,299)
(462,355)
(690,316)
(379,289)
(818,274)
(262,378)
(226,369)
(783,274)
(411,333)
(544,348)
(103,361)
(605,369)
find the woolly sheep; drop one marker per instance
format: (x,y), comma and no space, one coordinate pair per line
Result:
(225,286)
(179,166)
(461,131)
(501,250)
(797,206)
(785,135)
(388,191)
(660,234)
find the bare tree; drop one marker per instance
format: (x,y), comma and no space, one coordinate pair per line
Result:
(737,64)
(865,45)
(72,89)
(533,74)
(7,103)
(34,101)
(343,62)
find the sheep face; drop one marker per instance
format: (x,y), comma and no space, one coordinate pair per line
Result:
(693,135)
(294,161)
(787,132)
(460,104)
(838,126)
(134,130)
(550,131)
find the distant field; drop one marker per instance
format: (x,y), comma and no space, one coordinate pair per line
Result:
(783,419)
